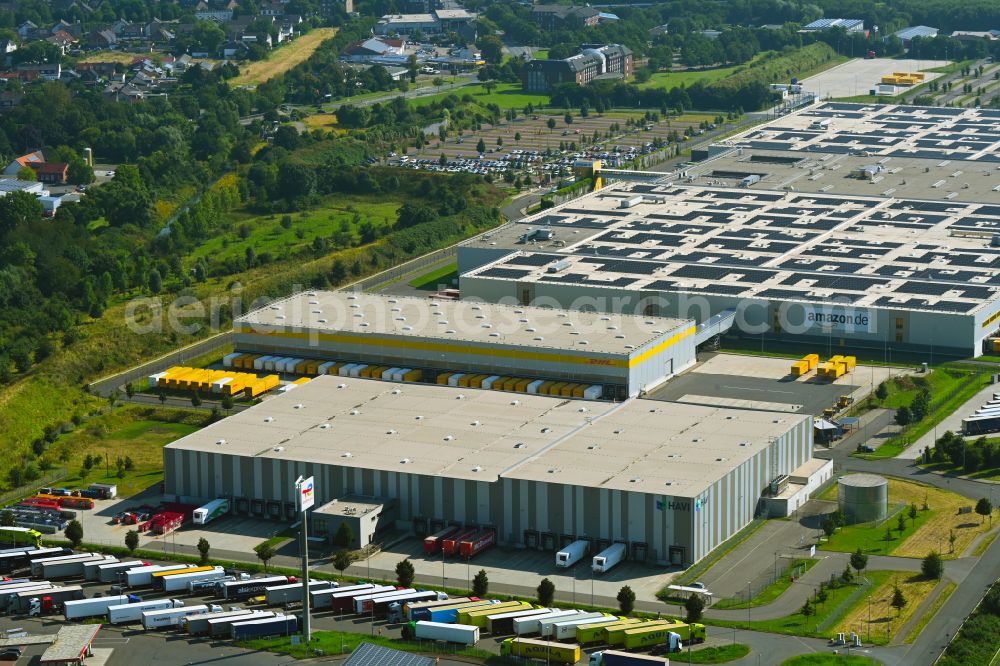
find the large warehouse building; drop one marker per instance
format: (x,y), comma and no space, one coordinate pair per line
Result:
(622,354)
(841,225)
(672,480)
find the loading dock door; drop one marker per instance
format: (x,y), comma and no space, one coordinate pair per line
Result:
(676,555)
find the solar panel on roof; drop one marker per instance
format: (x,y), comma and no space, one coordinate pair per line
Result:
(507,273)
(532,260)
(369,654)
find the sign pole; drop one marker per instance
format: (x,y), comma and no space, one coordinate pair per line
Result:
(306,494)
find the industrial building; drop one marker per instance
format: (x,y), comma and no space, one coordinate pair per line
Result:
(621,354)
(843,225)
(672,480)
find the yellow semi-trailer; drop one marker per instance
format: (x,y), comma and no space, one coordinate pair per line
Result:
(549,651)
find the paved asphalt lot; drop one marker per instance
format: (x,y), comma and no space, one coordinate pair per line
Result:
(807,397)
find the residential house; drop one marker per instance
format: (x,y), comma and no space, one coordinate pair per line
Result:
(50,71)
(9,99)
(215,15)
(7,46)
(407,24)
(63,40)
(74,29)
(553,17)
(593,62)
(119,26)
(274,8)
(51,173)
(659,30)
(26,29)
(19,163)
(102,39)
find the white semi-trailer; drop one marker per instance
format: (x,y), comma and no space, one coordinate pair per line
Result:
(572,553)
(609,557)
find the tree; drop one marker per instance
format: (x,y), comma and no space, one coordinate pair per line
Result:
(481,146)
(489,85)
(626,600)
(18,208)
(920,406)
(287,137)
(859,561)
(7,518)
(985,508)
(203,547)
(491,48)
(913,513)
(807,609)
(341,560)
(161,395)
(80,173)
(74,533)
(828,526)
(195,399)
(132,540)
(438,82)
(898,600)
(480,584)
(951,540)
(568,118)
(903,416)
(551,123)
(848,575)
(129,390)
(900,522)
(344,537)
(155,281)
(227,402)
(265,552)
(26,173)
(695,606)
(546,592)
(405,573)
(882,392)
(932,566)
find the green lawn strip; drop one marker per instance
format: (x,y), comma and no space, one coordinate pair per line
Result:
(827,659)
(929,614)
(711,655)
(771,592)
(977,644)
(838,604)
(990,358)
(340,642)
(984,543)
(668,80)
(504,95)
(871,539)
(281,537)
(694,572)
(430,281)
(963,390)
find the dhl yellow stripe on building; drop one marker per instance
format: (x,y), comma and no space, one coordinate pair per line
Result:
(992,318)
(443,347)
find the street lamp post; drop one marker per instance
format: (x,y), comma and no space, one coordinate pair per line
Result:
(748,605)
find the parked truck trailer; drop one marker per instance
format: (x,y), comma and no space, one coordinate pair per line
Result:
(279,625)
(462,634)
(502,624)
(197,625)
(619,658)
(48,602)
(550,652)
(180,582)
(172,617)
(572,553)
(132,612)
(95,606)
(143,576)
(292,592)
(223,626)
(605,560)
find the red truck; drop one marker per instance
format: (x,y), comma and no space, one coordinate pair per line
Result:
(433,543)
(450,544)
(478,543)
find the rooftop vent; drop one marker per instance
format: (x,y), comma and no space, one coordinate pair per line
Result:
(268,419)
(449,438)
(278,449)
(546,430)
(418,418)
(515,403)
(477,468)
(404,461)
(395,391)
(347,454)
(460,396)
(299,405)
(520,445)
(355,412)
(475,423)
(635,480)
(220,442)
(324,426)
(391,432)
(341,386)
(352,297)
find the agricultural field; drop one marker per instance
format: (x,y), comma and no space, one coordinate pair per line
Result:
(282,235)
(283,58)
(139,433)
(120,57)
(929,531)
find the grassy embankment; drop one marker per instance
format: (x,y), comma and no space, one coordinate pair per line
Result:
(929,531)
(283,58)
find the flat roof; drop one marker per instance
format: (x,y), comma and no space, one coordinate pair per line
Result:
(484,435)
(71,641)
(353,505)
(368,314)
(783,245)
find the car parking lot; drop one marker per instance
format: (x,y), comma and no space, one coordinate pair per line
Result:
(528,145)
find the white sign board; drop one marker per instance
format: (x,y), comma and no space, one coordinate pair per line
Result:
(812,551)
(845,320)
(307,493)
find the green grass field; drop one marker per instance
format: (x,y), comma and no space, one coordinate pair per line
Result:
(137,432)
(430,281)
(265,233)
(685,78)
(837,605)
(769,593)
(505,95)
(711,655)
(829,660)
(950,388)
(339,642)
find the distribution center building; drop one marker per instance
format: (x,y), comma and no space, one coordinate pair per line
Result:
(672,480)
(843,225)
(622,354)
